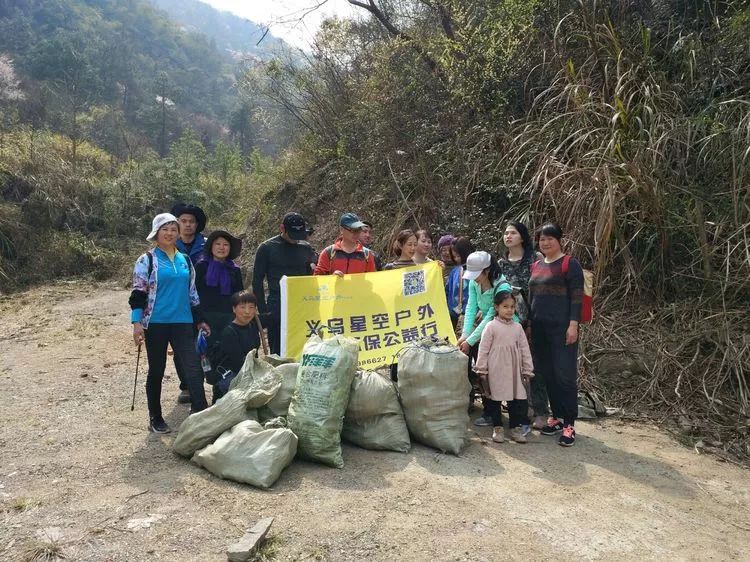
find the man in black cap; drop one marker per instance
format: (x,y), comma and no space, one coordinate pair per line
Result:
(192,221)
(278,256)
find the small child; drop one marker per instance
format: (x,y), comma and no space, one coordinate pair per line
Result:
(504,363)
(238,338)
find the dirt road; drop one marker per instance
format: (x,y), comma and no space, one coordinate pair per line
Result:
(78,467)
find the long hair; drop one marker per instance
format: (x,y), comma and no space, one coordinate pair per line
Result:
(528,243)
(463,247)
(400,240)
(494,272)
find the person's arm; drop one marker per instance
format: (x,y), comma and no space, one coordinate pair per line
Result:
(260,268)
(574,282)
(472,306)
(200,276)
(237,282)
(324,264)
(485,344)
(487,314)
(232,354)
(195,302)
(527,363)
(139,297)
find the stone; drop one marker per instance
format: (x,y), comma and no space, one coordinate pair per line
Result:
(244,549)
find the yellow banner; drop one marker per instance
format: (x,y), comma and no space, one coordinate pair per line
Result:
(384,310)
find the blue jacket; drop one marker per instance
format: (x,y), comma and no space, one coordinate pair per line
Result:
(195,250)
(452,284)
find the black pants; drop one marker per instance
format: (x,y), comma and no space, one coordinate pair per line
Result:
(180,337)
(474,380)
(272,323)
(518,412)
(557,364)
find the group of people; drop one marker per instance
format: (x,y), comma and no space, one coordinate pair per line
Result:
(516,316)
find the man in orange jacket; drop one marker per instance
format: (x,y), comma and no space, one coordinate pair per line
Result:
(347,254)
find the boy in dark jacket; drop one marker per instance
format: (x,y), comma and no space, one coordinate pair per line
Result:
(238,339)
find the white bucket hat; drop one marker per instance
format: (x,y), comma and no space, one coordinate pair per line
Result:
(476,263)
(159,221)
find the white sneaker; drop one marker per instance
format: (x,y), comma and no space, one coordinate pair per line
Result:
(498,435)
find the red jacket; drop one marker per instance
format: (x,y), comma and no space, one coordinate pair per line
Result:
(334,258)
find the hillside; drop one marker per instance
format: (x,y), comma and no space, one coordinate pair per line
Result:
(232,34)
(120,70)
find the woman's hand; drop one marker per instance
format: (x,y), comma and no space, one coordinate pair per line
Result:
(338,273)
(205,327)
(138,333)
(571,336)
(464,347)
(441,263)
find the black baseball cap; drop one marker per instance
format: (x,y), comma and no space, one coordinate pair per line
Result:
(295,226)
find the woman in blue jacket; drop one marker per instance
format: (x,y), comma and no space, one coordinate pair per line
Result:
(165,307)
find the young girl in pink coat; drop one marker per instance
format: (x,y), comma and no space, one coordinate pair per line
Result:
(504,364)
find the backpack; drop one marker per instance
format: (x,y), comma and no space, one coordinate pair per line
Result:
(587,306)
(331,251)
(151,263)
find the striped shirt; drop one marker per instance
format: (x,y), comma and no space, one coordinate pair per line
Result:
(556,297)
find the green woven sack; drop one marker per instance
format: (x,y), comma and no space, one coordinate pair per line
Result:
(374,419)
(255,384)
(320,398)
(434,390)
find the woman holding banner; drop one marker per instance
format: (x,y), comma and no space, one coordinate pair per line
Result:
(485,280)
(404,247)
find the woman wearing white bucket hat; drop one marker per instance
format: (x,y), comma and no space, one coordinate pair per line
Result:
(165,306)
(485,279)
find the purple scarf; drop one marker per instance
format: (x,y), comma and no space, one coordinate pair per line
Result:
(218,275)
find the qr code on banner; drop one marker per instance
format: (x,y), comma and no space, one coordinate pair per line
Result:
(414,283)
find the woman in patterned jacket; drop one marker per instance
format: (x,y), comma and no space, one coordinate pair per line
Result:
(165,306)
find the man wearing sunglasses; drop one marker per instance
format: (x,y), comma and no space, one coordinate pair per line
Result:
(347,254)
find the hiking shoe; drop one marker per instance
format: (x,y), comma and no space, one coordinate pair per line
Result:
(525,429)
(481,421)
(497,435)
(568,437)
(552,427)
(539,423)
(158,426)
(184,397)
(518,435)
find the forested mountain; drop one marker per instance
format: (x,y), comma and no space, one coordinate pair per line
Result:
(119,73)
(230,33)
(109,113)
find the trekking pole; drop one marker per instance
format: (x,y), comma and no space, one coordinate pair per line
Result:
(135,384)
(262,335)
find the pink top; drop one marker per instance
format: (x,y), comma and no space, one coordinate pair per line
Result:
(504,355)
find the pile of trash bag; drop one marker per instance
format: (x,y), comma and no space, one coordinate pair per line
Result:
(277,409)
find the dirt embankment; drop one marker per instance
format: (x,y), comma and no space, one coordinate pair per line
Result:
(78,467)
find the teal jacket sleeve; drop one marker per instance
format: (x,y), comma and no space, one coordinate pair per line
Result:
(488,313)
(471,311)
